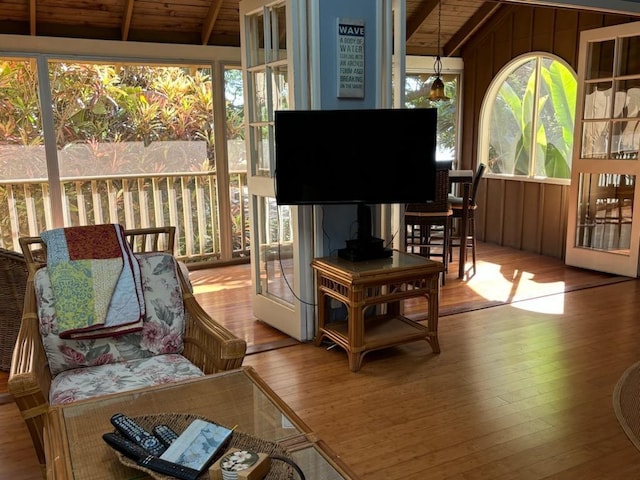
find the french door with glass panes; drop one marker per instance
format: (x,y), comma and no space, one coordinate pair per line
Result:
(280,238)
(604,225)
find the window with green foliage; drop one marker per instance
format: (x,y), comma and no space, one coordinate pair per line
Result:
(130,142)
(528,120)
(417,87)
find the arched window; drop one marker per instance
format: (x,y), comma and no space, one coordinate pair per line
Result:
(528,119)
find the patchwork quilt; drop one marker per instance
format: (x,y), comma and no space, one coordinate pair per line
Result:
(95,280)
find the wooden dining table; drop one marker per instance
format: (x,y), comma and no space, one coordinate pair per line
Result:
(463,178)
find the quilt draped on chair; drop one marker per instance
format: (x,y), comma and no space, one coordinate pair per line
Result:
(95,280)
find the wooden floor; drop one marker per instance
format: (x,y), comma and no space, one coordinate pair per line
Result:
(503,275)
(521,390)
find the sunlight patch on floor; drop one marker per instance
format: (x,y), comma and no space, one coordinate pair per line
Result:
(516,286)
(209,288)
(213,288)
(552,304)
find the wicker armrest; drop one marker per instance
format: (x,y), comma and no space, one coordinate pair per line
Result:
(13,278)
(208,344)
(30,377)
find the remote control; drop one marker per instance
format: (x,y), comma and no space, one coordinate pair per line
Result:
(142,458)
(165,434)
(134,432)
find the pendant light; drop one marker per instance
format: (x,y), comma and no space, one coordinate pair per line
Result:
(436,92)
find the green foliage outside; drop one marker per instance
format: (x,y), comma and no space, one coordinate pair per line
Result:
(417,88)
(517,111)
(118,104)
(112,119)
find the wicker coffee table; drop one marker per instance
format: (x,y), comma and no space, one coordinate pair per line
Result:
(73,432)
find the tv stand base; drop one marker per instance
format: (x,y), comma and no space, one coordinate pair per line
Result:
(358,251)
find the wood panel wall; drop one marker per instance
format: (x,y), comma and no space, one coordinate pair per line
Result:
(524,215)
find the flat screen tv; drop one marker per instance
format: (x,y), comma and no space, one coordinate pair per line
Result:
(363,157)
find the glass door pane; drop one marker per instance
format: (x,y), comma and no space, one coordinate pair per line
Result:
(275,272)
(603,232)
(276,252)
(605,212)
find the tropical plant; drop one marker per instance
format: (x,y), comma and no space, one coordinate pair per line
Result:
(550,110)
(417,88)
(102,113)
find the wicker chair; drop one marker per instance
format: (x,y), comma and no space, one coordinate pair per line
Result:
(13,281)
(207,344)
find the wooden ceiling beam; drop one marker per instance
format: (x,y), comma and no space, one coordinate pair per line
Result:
(471,26)
(32,17)
(210,21)
(413,23)
(126,19)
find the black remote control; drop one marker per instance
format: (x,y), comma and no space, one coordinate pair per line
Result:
(165,434)
(134,432)
(142,458)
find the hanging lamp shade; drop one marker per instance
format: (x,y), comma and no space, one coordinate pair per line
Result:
(436,92)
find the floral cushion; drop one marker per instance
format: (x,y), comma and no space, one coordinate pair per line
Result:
(81,383)
(162,330)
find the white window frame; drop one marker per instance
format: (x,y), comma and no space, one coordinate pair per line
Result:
(43,49)
(487,108)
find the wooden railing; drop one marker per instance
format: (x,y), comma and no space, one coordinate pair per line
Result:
(188,201)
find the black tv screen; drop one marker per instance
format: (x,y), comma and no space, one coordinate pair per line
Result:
(370,156)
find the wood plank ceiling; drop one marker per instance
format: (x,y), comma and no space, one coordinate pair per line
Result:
(193,22)
(216,22)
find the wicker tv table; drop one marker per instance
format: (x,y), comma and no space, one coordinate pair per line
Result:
(386,282)
(73,432)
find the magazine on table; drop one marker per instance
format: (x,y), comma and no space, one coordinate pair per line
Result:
(198,445)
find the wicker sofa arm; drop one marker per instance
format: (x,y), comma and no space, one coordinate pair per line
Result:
(208,344)
(30,378)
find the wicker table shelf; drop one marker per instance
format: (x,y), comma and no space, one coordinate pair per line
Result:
(382,283)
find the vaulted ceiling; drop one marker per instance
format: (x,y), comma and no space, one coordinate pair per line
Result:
(216,22)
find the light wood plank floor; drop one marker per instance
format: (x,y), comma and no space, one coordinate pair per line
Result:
(503,275)
(521,390)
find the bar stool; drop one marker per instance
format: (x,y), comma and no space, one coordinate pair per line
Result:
(456,207)
(428,225)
